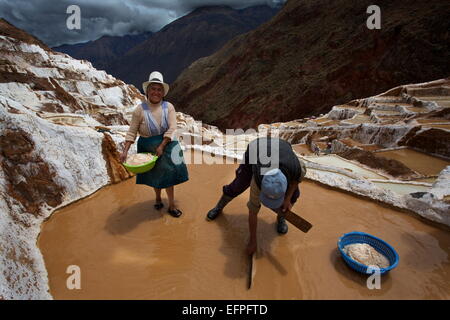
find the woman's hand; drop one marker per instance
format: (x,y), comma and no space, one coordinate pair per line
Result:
(162,146)
(123,156)
(160,150)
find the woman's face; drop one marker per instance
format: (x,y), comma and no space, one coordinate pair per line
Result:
(155,92)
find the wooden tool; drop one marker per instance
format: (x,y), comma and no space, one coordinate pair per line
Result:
(250,271)
(293,218)
(297,221)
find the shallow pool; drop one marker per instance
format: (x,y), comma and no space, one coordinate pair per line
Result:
(332,160)
(125,249)
(421,162)
(402,188)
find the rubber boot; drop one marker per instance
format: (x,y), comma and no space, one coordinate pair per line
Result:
(282,227)
(214,212)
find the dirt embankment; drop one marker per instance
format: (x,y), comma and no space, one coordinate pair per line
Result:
(116,171)
(30,180)
(430,141)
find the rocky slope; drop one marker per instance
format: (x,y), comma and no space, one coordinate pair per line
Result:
(53,150)
(416,116)
(315,54)
(405,119)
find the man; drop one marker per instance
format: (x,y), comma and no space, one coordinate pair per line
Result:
(272,170)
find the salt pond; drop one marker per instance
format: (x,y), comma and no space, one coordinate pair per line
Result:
(336,161)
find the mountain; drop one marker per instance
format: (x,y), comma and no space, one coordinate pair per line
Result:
(177,45)
(103,50)
(312,55)
(200,33)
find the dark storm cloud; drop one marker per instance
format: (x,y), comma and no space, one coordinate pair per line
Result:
(46,19)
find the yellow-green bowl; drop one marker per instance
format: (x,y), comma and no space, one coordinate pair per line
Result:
(143,167)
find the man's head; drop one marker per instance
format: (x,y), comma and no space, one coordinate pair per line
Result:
(273,189)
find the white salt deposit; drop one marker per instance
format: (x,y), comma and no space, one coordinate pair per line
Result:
(112,96)
(366,254)
(139,159)
(72,151)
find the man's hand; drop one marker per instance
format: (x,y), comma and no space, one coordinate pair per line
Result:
(251,248)
(287,205)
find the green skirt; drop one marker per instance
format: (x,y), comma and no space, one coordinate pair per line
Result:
(169,169)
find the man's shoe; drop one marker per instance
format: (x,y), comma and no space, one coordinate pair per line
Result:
(176,213)
(282,227)
(214,212)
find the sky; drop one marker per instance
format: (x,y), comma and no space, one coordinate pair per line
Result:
(47,19)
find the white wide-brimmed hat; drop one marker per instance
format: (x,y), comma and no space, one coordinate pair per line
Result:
(155,77)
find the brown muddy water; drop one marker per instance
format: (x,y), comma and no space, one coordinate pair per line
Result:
(302,149)
(418,161)
(125,249)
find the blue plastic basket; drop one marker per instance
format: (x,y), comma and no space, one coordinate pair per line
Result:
(380,245)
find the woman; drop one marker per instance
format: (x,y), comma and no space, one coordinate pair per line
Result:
(155,121)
